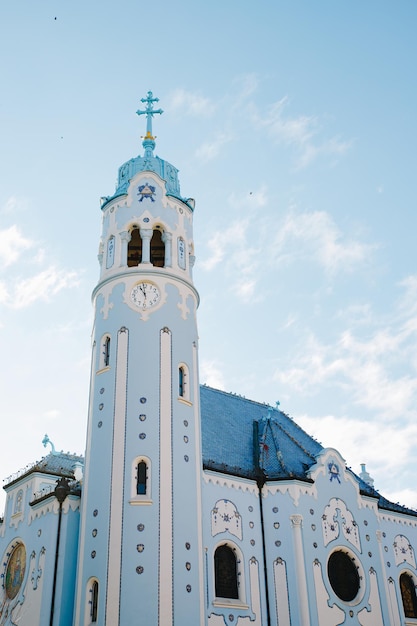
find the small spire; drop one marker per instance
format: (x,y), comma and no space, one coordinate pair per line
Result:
(149,140)
(366,476)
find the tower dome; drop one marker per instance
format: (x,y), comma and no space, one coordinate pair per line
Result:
(149,162)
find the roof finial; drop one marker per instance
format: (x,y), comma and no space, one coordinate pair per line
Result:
(148,139)
(45,441)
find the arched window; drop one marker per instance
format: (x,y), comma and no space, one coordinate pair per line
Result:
(225,573)
(141,487)
(408,594)
(134,248)
(141,478)
(91,604)
(157,249)
(106,351)
(104,355)
(183,382)
(94,601)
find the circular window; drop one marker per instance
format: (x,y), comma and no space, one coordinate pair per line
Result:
(15,571)
(343,575)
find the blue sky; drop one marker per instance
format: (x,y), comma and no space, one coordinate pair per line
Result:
(293,126)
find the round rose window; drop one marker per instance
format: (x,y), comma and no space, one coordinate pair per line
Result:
(343,576)
(15,571)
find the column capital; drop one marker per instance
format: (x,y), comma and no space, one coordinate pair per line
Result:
(146,233)
(296,520)
(125,235)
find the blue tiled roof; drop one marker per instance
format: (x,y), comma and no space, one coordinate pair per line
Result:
(248,438)
(253,440)
(58,463)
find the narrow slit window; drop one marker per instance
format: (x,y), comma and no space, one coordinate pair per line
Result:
(181,382)
(141,478)
(225,573)
(94,602)
(110,253)
(106,351)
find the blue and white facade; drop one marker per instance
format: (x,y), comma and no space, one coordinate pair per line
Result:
(194,507)
(143,457)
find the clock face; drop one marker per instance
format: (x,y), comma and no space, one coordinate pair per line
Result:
(145,295)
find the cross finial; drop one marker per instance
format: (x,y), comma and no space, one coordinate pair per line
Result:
(149,112)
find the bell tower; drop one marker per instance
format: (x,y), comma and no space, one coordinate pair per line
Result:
(140,555)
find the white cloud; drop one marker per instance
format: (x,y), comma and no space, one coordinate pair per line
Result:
(367,442)
(316,234)
(12,244)
(225,241)
(252,199)
(191,103)
(211,374)
(298,236)
(4,294)
(42,286)
(211,149)
(241,259)
(248,85)
(297,130)
(11,205)
(368,367)
(301,132)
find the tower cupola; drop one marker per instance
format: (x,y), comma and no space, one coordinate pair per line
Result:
(148,162)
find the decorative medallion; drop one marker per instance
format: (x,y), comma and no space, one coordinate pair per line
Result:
(333,471)
(146,191)
(226,518)
(15,571)
(404,551)
(337,516)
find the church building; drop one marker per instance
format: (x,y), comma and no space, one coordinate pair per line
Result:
(192,507)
